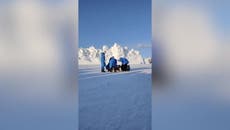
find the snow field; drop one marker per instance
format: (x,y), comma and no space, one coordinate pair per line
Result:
(115,101)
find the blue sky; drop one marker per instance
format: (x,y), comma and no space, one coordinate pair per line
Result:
(127,22)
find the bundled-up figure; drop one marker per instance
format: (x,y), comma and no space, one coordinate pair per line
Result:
(112,64)
(124,64)
(102,61)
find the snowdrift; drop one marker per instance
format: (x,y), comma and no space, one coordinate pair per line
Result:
(91,55)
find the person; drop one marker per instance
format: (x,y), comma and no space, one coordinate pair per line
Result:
(102,55)
(112,64)
(124,63)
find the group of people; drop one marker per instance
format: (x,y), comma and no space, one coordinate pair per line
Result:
(112,65)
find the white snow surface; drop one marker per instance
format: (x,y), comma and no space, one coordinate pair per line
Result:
(91,55)
(115,101)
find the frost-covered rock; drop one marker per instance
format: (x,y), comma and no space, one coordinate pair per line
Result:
(91,55)
(148,60)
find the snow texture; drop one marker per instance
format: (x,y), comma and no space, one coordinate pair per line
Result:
(91,55)
(115,101)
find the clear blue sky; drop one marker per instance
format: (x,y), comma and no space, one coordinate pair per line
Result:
(127,22)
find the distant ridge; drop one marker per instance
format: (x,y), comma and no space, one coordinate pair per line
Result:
(91,55)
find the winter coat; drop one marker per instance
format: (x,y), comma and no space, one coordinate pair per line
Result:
(112,62)
(102,59)
(123,61)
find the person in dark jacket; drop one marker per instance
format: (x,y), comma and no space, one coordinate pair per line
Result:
(124,63)
(102,55)
(112,64)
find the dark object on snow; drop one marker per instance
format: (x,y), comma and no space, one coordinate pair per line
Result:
(128,68)
(124,64)
(118,68)
(124,67)
(113,67)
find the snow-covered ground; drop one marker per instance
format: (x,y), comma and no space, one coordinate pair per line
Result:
(115,101)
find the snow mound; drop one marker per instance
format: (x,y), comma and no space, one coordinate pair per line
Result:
(148,60)
(91,55)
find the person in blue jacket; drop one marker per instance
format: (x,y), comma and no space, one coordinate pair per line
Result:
(102,61)
(124,63)
(112,64)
